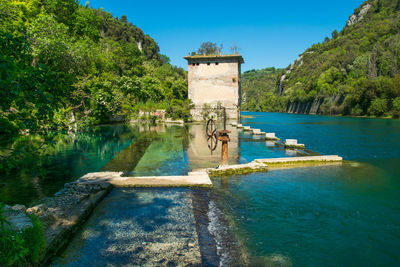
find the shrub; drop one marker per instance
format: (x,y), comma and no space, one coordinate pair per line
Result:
(396,108)
(378,107)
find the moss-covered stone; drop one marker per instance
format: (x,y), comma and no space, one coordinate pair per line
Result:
(235,171)
(294,146)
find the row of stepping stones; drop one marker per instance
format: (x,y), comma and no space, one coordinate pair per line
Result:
(289,143)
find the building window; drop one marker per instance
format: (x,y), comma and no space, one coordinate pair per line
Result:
(208,63)
(193,64)
(197,64)
(216,63)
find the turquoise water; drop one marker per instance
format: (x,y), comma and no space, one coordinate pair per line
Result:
(321,216)
(133,149)
(71,157)
(342,215)
(352,138)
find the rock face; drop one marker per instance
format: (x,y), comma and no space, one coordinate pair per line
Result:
(314,106)
(311,107)
(16,217)
(359,16)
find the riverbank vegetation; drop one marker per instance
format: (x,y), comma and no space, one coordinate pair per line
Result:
(259,91)
(21,248)
(65,66)
(354,72)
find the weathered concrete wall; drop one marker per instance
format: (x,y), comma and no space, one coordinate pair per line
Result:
(213,80)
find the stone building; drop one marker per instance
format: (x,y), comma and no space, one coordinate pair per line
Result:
(214,79)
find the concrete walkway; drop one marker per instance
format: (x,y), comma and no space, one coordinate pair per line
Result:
(201,178)
(193,179)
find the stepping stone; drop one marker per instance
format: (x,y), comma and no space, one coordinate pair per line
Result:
(246,128)
(271,136)
(292,143)
(258,132)
(240,126)
(234,123)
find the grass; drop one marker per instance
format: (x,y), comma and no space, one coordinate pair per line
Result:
(21,248)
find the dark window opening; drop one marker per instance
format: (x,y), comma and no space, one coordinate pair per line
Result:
(197,64)
(208,63)
(216,63)
(193,64)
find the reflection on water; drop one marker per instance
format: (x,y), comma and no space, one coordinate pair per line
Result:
(200,155)
(71,157)
(133,149)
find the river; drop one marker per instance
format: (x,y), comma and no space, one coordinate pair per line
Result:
(341,215)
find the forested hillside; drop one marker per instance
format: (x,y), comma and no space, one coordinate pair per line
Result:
(258,90)
(68,66)
(65,64)
(355,72)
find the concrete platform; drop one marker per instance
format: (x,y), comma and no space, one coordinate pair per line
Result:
(262,165)
(195,179)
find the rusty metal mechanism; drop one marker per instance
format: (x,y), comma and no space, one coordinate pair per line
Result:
(213,135)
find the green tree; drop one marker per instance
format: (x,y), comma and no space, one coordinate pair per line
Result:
(335,34)
(209,48)
(378,107)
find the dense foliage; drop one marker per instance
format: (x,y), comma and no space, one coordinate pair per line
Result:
(66,66)
(258,90)
(355,72)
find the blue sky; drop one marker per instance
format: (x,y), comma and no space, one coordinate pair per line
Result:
(269,33)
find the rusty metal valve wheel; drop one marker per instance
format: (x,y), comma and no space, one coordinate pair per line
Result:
(212,135)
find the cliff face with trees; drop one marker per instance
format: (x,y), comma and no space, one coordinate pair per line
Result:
(66,65)
(355,72)
(259,91)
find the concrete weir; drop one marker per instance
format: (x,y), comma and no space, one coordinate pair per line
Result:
(260,165)
(193,179)
(272,161)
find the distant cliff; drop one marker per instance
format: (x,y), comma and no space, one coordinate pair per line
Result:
(355,72)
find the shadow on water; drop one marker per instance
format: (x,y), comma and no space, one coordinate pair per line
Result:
(128,158)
